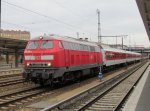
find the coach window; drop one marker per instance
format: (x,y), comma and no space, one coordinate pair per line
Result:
(46,44)
(60,45)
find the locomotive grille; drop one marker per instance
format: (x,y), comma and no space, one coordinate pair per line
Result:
(38,65)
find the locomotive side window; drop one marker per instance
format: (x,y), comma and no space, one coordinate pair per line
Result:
(66,45)
(92,48)
(76,46)
(71,46)
(85,48)
(32,45)
(81,47)
(46,44)
(97,49)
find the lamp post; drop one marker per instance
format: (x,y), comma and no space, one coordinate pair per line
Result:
(99,28)
(99,36)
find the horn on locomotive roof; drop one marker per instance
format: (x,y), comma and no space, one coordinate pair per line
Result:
(86,39)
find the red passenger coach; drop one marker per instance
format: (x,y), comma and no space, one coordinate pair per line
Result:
(57,59)
(114,56)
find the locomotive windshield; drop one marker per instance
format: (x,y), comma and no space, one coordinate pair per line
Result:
(32,45)
(46,44)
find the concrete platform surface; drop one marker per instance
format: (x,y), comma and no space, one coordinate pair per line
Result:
(144,100)
(11,71)
(140,98)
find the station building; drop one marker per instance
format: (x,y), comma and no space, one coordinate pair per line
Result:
(12,45)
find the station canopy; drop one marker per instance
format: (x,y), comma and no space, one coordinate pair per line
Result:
(8,45)
(144,8)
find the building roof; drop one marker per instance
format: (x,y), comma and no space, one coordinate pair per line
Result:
(13,40)
(15,34)
(144,8)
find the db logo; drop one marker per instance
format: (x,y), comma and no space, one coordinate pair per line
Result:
(38,57)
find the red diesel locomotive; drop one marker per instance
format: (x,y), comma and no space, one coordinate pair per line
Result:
(57,59)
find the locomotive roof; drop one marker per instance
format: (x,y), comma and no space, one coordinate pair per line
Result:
(66,38)
(74,40)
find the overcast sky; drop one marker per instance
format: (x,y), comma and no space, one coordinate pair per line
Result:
(66,17)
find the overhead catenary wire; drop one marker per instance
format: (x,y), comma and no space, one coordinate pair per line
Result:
(68,10)
(27,23)
(5,22)
(81,18)
(46,16)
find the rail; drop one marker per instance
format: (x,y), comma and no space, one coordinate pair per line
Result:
(77,97)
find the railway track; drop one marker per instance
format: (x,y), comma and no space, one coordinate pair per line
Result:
(107,96)
(10,75)
(11,81)
(19,97)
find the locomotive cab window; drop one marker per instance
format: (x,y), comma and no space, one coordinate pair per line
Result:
(60,45)
(32,45)
(46,44)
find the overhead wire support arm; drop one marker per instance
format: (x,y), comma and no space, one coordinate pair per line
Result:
(116,36)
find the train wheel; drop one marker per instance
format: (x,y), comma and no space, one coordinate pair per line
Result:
(41,83)
(92,73)
(76,76)
(81,76)
(51,83)
(63,79)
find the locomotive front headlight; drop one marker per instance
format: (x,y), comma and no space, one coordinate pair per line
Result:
(49,64)
(28,64)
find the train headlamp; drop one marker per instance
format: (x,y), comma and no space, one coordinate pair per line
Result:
(41,37)
(28,64)
(49,64)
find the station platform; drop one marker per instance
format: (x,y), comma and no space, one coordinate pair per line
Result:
(10,71)
(140,98)
(4,65)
